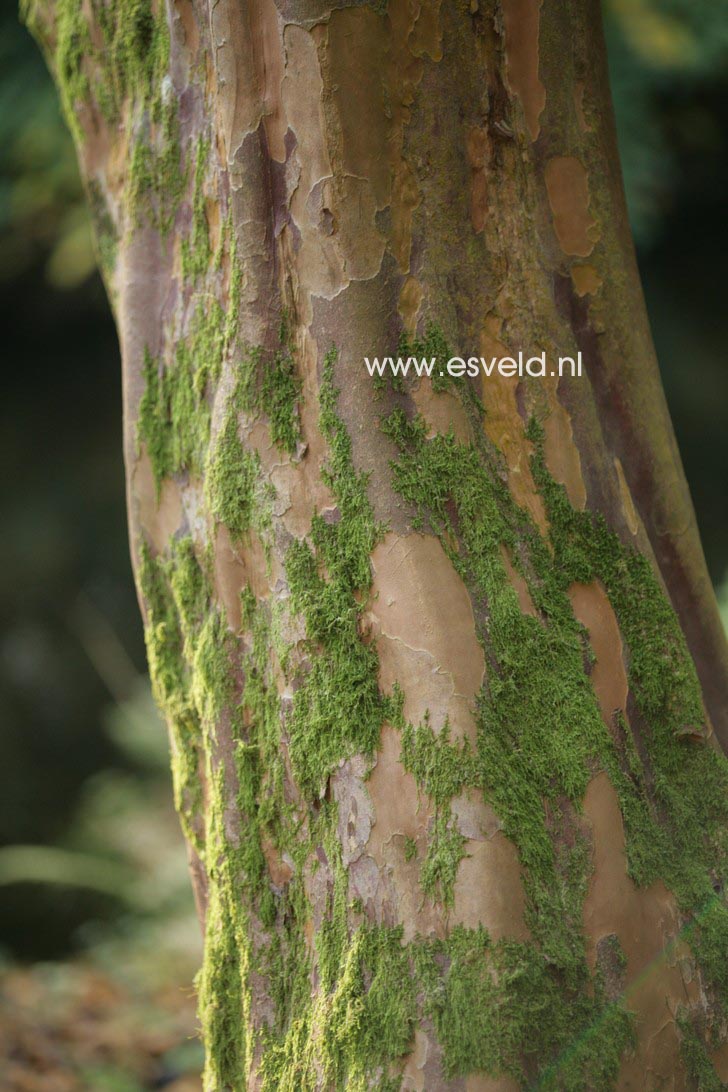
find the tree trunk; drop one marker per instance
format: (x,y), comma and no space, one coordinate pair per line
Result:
(440,659)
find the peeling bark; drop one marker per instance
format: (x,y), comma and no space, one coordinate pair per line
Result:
(444,675)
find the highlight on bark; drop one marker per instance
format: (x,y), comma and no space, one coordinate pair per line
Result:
(443,672)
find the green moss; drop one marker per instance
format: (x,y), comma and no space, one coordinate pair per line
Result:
(223,997)
(73,44)
(356,1029)
(157,175)
(373,1006)
(134,57)
(107,241)
(432,343)
(539,727)
(270,385)
(259,766)
(442,770)
(174,411)
(333,936)
(190,653)
(410,849)
(541,736)
(232,481)
(64,36)
(344,1005)
(338,709)
(122,77)
(170,678)
(360,1018)
(696,1057)
(445,851)
(196,250)
(496,1008)
(675,800)
(128,64)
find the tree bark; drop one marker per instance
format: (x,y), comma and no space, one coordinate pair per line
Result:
(442,667)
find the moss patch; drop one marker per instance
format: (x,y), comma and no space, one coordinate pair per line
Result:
(169,671)
(233,484)
(128,65)
(442,770)
(338,710)
(357,1028)
(531,1010)
(196,251)
(498,1009)
(269,384)
(696,1057)
(190,654)
(675,801)
(541,737)
(135,53)
(174,411)
(157,173)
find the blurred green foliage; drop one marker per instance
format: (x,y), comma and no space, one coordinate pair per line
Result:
(42,214)
(669,73)
(661,53)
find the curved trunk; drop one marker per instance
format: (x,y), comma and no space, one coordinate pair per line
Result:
(440,659)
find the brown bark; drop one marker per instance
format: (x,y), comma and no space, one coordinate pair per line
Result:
(365,170)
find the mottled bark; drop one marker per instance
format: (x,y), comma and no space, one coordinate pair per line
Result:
(442,666)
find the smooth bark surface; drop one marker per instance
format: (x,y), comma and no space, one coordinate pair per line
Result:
(442,666)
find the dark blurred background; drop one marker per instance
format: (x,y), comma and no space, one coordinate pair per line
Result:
(97,971)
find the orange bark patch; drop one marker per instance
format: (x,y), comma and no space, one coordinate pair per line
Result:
(521,22)
(419,600)
(355,43)
(405,199)
(442,411)
(280,870)
(586,280)
(647,924)
(318,266)
(474,818)
(567,185)
(592,608)
(372,69)
(426,36)
(488,889)
(561,452)
(413,1074)
(504,426)
(237,90)
(393,792)
(410,298)
(427,688)
(190,28)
